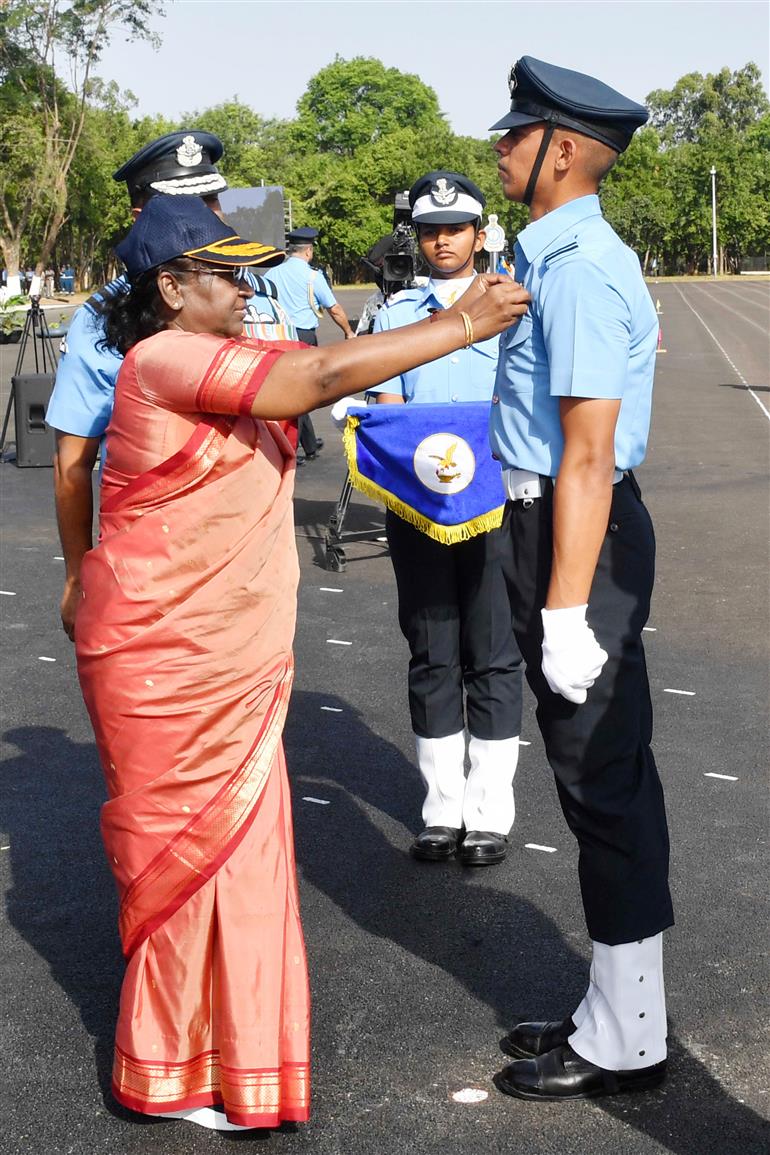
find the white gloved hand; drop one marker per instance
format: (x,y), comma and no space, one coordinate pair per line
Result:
(339,410)
(572,657)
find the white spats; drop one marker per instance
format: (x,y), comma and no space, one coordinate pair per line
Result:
(442,765)
(488,800)
(621,1022)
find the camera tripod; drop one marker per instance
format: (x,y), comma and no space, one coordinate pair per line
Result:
(46,359)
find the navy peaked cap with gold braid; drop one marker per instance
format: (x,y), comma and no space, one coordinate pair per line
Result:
(184,226)
(180,163)
(559,96)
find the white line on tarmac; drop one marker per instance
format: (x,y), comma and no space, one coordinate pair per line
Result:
(723,305)
(318,801)
(724,353)
(58,557)
(688,693)
(523,743)
(332,709)
(46,659)
(8,593)
(330,590)
(650,629)
(535,846)
(727,777)
(337,642)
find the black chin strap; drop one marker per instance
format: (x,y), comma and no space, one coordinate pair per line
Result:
(529,192)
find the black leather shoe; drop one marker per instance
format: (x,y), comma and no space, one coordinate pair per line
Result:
(436,843)
(528,1040)
(483,848)
(562,1075)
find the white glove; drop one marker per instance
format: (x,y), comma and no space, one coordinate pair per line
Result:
(339,410)
(572,657)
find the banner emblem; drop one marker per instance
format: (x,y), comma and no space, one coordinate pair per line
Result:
(444,463)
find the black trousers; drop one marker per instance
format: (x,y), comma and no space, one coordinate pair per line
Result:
(454,613)
(599,751)
(306,434)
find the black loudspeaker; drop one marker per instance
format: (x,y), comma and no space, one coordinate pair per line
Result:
(34,439)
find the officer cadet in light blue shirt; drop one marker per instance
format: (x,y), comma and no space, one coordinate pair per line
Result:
(81,403)
(569,422)
(453,608)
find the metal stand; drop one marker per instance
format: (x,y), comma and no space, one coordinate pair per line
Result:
(45,361)
(335,559)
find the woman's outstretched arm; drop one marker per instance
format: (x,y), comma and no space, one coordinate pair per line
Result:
(310,378)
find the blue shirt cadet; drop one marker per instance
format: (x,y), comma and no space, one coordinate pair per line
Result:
(83,394)
(467,375)
(303,291)
(591,331)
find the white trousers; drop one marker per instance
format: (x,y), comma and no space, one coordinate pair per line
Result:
(483,801)
(621,1022)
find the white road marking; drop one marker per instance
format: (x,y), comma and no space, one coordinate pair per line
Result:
(337,642)
(332,709)
(536,846)
(724,353)
(727,777)
(688,693)
(46,659)
(523,743)
(650,629)
(470,1095)
(723,305)
(318,801)
(330,590)
(58,557)
(8,593)
(5,848)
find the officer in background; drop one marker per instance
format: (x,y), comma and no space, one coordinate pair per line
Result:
(305,293)
(81,403)
(569,421)
(452,602)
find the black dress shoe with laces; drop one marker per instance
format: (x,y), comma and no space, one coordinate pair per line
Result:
(436,843)
(561,1074)
(483,848)
(528,1040)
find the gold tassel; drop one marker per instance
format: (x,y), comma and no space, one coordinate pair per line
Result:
(446,534)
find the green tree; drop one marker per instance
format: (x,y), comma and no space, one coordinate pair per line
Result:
(43,120)
(698,104)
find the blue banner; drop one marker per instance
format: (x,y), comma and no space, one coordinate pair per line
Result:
(430,464)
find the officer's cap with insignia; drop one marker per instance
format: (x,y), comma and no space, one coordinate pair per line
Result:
(567,99)
(184,226)
(303,236)
(445,198)
(179,163)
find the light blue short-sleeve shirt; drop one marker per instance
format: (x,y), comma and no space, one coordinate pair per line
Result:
(298,285)
(467,375)
(590,331)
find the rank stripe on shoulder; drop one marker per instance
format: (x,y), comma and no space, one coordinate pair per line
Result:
(99,300)
(570,248)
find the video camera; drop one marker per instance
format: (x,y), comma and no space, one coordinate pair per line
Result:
(394,259)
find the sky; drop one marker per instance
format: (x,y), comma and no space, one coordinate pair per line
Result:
(264,53)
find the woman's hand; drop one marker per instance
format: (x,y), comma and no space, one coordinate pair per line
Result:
(493,302)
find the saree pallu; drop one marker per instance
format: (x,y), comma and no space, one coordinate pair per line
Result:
(184,655)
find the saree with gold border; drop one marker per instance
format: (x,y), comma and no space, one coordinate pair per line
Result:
(184,648)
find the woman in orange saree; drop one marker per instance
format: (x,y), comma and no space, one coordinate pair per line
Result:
(184,648)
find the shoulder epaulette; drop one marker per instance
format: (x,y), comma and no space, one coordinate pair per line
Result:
(99,300)
(402,295)
(570,248)
(264,287)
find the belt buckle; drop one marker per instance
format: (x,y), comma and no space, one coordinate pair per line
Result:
(527,502)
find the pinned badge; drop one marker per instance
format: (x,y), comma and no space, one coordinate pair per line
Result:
(443,195)
(513,79)
(190,153)
(444,463)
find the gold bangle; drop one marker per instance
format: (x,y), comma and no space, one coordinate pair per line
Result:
(468,323)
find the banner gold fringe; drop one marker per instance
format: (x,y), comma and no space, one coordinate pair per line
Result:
(446,534)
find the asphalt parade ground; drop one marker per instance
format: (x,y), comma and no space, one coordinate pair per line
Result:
(419,969)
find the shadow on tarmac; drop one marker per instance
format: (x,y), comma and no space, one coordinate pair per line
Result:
(63,904)
(501,948)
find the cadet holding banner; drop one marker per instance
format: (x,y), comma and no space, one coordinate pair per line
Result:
(453,608)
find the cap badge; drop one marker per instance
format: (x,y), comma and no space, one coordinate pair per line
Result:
(442,195)
(189,152)
(512,80)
